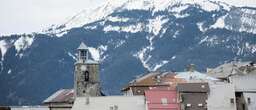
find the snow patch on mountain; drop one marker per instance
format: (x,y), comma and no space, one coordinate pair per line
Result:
(132,28)
(141,55)
(103,48)
(23,43)
(245,21)
(200,27)
(4,47)
(119,43)
(158,65)
(95,54)
(117,19)
(60,34)
(238,3)
(90,27)
(155,25)
(220,23)
(9,71)
(176,34)
(156,5)
(178,9)
(145,58)
(72,56)
(204,4)
(251,47)
(203,40)
(248,21)
(246,47)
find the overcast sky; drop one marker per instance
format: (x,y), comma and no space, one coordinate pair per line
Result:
(25,16)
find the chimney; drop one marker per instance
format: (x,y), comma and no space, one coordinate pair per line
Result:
(191,67)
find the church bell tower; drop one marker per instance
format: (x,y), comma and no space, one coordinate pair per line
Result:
(86,76)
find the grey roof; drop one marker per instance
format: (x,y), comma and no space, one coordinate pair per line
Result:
(82,46)
(193,87)
(227,69)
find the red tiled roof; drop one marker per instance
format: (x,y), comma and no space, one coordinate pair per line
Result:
(155,79)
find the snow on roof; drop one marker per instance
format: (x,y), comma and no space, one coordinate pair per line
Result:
(110,102)
(61,96)
(194,75)
(227,69)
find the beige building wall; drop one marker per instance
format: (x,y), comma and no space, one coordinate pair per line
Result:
(250,99)
(110,103)
(30,108)
(244,82)
(220,96)
(60,109)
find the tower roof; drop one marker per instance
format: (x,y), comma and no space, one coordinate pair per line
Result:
(82,46)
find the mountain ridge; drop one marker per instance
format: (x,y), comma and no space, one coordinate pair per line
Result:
(129,41)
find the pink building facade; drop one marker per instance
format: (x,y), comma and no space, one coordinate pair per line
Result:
(160,99)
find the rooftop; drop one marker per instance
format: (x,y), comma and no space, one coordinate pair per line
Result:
(155,79)
(82,46)
(232,68)
(61,96)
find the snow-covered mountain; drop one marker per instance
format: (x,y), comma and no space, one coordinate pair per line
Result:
(128,37)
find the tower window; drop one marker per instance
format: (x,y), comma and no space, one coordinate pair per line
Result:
(83,54)
(86,76)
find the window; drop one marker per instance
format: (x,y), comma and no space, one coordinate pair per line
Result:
(115,107)
(164,101)
(249,100)
(86,76)
(188,105)
(83,54)
(232,100)
(200,105)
